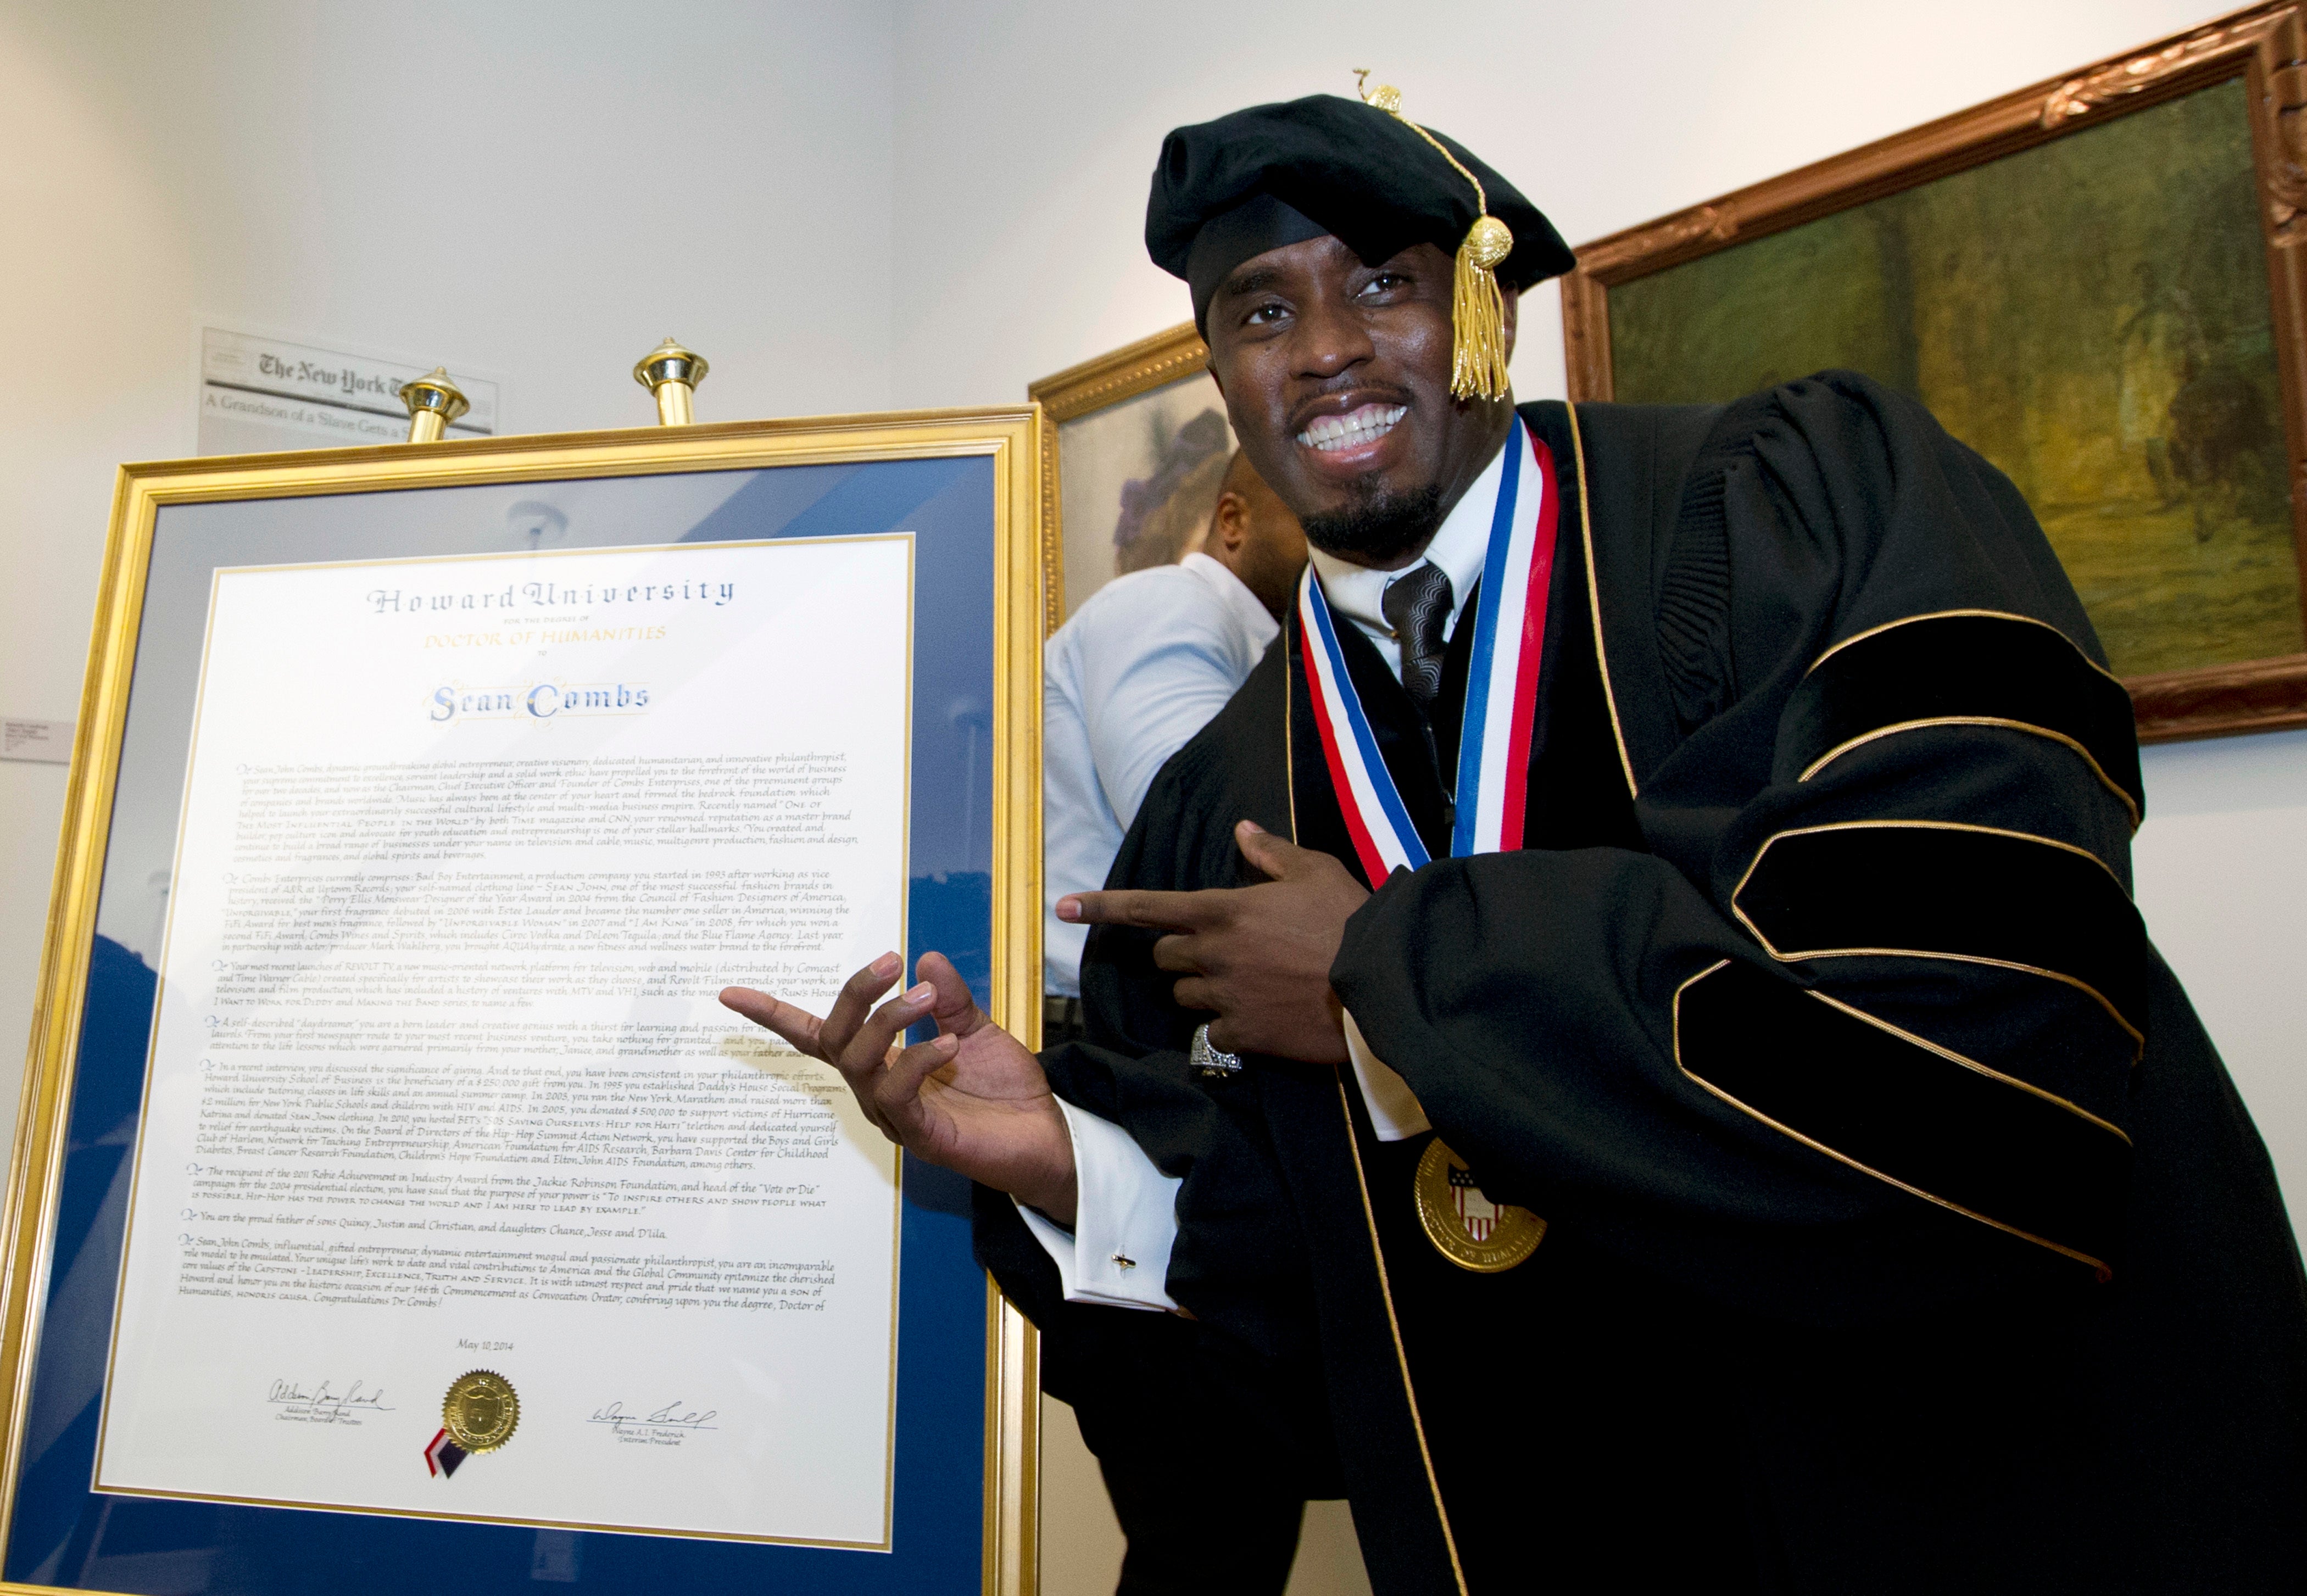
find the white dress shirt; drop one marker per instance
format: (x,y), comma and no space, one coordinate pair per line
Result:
(1124,1220)
(1459,547)
(1128,1207)
(1141,667)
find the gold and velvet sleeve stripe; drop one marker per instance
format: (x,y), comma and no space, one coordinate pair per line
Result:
(1940,889)
(1904,1111)
(1966,667)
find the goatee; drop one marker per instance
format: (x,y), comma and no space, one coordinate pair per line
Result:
(1378,530)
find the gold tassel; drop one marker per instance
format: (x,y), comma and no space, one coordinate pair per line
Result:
(1477,309)
(1477,313)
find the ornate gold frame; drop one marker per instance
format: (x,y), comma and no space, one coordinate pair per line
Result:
(1012,437)
(2266,44)
(1083,390)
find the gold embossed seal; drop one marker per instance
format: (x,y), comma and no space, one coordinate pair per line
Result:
(1465,1226)
(480,1411)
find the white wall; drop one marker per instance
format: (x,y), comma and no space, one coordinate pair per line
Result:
(896,204)
(1028,129)
(2221,878)
(547,187)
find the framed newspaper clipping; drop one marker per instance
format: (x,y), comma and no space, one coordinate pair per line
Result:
(392,1200)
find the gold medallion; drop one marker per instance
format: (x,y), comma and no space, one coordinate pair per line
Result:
(480,1411)
(1466,1227)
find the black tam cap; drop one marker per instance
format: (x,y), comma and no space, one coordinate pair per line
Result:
(1277,174)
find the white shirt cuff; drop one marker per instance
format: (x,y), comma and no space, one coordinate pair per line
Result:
(1394,1111)
(1124,1220)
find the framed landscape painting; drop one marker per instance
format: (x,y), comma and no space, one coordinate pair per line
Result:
(2097,283)
(1131,460)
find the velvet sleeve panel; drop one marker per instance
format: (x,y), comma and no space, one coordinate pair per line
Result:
(1858,1031)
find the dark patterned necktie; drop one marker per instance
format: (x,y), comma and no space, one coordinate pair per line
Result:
(1417,605)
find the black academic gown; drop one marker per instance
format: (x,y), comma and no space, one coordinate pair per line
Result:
(1905,1231)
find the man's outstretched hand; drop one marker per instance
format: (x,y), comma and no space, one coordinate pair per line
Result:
(971,1098)
(1260,956)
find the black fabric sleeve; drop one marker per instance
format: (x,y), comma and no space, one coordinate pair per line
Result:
(1147,1387)
(1857,1034)
(1239,1267)
(1154,1388)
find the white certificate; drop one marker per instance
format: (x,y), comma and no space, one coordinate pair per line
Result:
(439,1084)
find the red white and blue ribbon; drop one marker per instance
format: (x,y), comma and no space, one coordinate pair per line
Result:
(441,1455)
(1501,686)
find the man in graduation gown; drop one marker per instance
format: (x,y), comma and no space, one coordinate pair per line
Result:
(1689,1097)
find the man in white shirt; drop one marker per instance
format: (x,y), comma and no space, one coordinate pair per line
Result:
(1141,667)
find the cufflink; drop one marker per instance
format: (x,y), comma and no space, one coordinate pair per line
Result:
(1206,1061)
(1122,1263)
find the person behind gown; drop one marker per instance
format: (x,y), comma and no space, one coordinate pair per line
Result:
(1904,1231)
(1133,673)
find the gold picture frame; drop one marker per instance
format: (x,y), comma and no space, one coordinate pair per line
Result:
(1088,396)
(1010,438)
(2249,56)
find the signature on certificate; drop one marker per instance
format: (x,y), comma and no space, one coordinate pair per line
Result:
(667,1426)
(300,1401)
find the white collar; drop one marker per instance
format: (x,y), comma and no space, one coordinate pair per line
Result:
(1249,611)
(1460,545)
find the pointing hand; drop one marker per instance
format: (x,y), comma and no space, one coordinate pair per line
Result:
(970,1099)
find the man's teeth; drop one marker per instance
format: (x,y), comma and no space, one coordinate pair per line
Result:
(1344,432)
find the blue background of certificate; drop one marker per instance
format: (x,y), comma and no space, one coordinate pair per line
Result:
(63,1533)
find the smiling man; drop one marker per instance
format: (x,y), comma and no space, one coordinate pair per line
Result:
(1625,1047)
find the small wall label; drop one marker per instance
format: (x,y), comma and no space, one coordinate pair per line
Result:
(37,741)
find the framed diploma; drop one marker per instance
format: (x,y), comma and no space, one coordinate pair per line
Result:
(393,1200)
